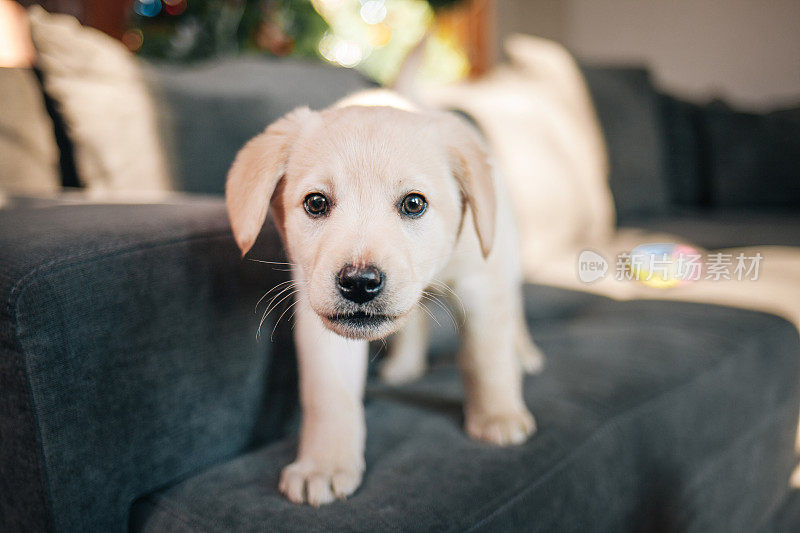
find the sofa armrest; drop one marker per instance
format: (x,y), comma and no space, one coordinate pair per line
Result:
(128,356)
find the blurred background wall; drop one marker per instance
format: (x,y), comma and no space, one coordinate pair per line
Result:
(746,51)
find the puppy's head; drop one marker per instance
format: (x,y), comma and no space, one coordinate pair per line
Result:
(370,202)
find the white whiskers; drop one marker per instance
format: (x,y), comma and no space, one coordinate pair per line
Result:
(428,312)
(279,263)
(280,293)
(255,310)
(434,299)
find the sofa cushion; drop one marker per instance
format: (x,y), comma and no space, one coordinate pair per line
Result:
(752,159)
(685,155)
(786,518)
(667,151)
(717,156)
(211,109)
(628,107)
(651,415)
(128,356)
(727,228)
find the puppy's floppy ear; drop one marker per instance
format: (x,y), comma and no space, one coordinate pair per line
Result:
(471,168)
(256,171)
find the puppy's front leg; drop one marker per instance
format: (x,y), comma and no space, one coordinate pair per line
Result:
(330,458)
(494,409)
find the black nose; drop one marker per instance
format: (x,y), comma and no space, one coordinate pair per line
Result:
(360,284)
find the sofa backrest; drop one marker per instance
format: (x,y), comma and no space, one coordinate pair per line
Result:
(665,152)
(210,110)
(627,106)
(743,159)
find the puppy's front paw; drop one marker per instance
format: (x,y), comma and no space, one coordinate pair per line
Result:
(305,481)
(501,429)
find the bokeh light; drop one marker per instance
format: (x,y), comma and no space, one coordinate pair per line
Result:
(380,35)
(373,11)
(175,7)
(373,36)
(340,51)
(147,8)
(133,39)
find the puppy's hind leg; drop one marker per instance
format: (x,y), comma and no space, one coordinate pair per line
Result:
(530,356)
(407,354)
(494,409)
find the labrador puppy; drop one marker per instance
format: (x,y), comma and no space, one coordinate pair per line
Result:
(378,206)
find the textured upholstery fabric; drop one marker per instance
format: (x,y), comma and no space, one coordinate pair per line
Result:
(212,109)
(629,111)
(717,156)
(787,516)
(665,151)
(727,228)
(128,357)
(652,415)
(685,153)
(753,159)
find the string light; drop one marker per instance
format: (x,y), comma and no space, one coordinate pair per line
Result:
(147,8)
(373,11)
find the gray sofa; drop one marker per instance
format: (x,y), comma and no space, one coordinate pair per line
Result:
(134,394)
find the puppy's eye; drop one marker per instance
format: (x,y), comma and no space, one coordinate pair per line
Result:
(413,205)
(316,204)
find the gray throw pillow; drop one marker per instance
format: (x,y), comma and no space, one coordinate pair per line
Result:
(752,159)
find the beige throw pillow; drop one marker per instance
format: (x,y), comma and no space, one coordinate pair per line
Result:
(28,150)
(108,112)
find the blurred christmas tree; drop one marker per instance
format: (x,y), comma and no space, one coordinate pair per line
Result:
(371,35)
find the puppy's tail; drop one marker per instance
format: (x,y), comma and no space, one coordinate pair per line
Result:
(405,82)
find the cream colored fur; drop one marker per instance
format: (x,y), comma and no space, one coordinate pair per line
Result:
(365,158)
(539,120)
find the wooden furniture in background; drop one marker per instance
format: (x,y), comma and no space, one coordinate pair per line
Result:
(473,22)
(109,16)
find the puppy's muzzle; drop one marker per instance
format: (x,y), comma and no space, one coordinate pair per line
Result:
(360,284)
